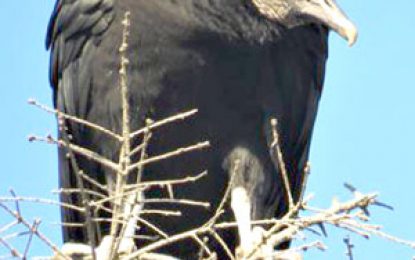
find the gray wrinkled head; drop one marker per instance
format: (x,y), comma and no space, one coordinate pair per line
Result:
(293,13)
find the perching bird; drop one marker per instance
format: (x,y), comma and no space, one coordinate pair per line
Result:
(241,63)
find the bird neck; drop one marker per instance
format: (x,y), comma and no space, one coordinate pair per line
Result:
(237,18)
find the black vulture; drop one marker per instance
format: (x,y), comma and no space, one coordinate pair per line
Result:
(239,62)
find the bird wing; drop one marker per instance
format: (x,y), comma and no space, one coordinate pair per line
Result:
(73,24)
(297,63)
(74,32)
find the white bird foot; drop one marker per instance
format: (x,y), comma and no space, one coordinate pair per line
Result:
(103,251)
(74,251)
(126,246)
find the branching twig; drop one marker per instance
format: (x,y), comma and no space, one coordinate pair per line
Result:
(36,232)
(75,119)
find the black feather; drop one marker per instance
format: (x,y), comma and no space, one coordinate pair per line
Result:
(220,56)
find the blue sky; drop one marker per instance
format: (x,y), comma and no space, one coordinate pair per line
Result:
(364,132)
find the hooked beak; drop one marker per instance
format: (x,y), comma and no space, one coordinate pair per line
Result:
(330,14)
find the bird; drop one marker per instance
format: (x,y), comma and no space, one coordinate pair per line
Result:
(241,63)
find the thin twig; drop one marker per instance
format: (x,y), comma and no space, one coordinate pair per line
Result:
(165,121)
(161,183)
(42,201)
(168,155)
(13,251)
(74,191)
(225,197)
(93,182)
(78,150)
(80,182)
(349,247)
(49,243)
(276,145)
(222,243)
(75,119)
(34,227)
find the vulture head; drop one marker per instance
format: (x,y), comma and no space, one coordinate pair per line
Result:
(293,13)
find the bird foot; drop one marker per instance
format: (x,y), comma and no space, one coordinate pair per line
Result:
(263,249)
(76,251)
(103,251)
(258,248)
(80,251)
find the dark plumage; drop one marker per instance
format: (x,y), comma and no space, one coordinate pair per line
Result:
(234,61)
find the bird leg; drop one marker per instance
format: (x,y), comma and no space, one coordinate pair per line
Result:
(131,212)
(248,175)
(126,244)
(250,238)
(241,207)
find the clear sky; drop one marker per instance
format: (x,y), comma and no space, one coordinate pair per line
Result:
(365,132)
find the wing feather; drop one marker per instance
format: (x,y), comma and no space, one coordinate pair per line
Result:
(72,24)
(298,65)
(74,34)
